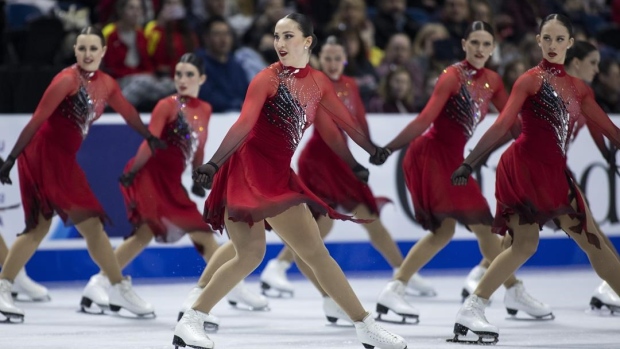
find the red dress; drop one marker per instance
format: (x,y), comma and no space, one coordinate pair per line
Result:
(459,102)
(156,197)
(533,180)
(325,173)
(50,178)
(255,180)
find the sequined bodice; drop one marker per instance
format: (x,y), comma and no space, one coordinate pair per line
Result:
(469,106)
(83,108)
(293,107)
(183,131)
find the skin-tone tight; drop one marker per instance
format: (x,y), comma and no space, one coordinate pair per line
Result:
(525,243)
(380,239)
(298,229)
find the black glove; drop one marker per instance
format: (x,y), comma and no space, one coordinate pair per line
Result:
(126,179)
(198,190)
(461,175)
(155,143)
(5,169)
(203,175)
(380,156)
(361,173)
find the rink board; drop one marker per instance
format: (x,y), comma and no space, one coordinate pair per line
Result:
(111,143)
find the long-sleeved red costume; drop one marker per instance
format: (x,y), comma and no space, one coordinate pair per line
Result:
(50,178)
(156,196)
(459,102)
(255,180)
(325,173)
(533,180)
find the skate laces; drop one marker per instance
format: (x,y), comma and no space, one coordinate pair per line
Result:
(129,294)
(525,298)
(380,334)
(195,321)
(476,307)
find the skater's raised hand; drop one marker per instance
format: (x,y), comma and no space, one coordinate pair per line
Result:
(5,169)
(461,175)
(361,173)
(198,190)
(126,179)
(380,156)
(203,175)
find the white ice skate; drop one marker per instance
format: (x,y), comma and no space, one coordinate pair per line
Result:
(7,307)
(23,285)
(241,297)
(418,286)
(96,291)
(189,331)
(604,296)
(273,279)
(333,312)
(372,335)
(471,318)
(122,295)
(472,281)
(516,298)
(393,298)
(212,323)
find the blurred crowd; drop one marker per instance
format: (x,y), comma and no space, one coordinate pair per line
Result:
(396,48)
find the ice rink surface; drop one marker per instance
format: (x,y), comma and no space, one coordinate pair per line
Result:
(299,322)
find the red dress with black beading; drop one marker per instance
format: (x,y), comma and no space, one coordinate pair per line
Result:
(156,196)
(50,178)
(326,174)
(459,102)
(533,180)
(255,180)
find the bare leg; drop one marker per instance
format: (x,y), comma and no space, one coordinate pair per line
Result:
(100,249)
(132,246)
(249,244)
(325,226)
(4,251)
(23,248)
(221,255)
(207,243)
(490,247)
(506,263)
(299,230)
(608,242)
(425,249)
(379,237)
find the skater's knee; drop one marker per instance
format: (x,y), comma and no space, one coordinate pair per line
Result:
(525,247)
(441,237)
(251,254)
(313,255)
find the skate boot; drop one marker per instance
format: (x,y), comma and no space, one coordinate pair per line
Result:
(240,295)
(122,295)
(372,335)
(472,280)
(333,312)
(604,296)
(517,298)
(212,323)
(273,278)
(471,318)
(393,298)
(7,308)
(96,291)
(189,331)
(418,286)
(24,285)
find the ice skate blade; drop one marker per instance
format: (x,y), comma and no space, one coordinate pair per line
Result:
(513,316)
(464,295)
(597,304)
(416,293)
(86,307)
(236,305)
(370,346)
(462,330)
(383,310)
(117,311)
(17,297)
(12,318)
(272,292)
(333,321)
(178,342)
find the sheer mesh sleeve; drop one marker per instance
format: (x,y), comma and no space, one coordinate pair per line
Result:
(447,85)
(333,107)
(259,90)
(202,137)
(524,87)
(596,116)
(333,137)
(64,84)
(117,101)
(599,140)
(500,97)
(360,110)
(161,115)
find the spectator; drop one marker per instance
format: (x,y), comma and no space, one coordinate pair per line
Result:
(424,44)
(226,80)
(607,86)
(169,37)
(351,15)
(358,66)
(127,59)
(392,18)
(260,35)
(395,94)
(455,16)
(398,53)
(512,71)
